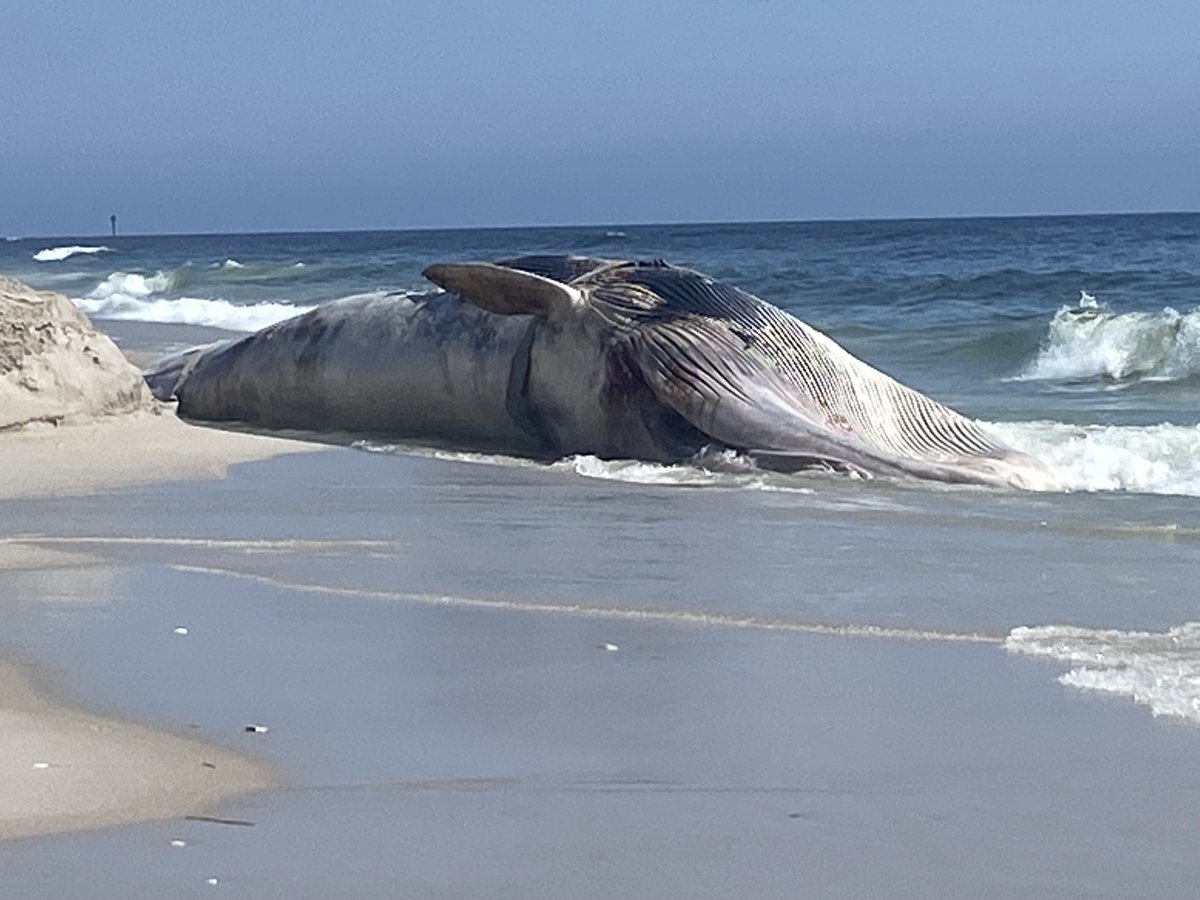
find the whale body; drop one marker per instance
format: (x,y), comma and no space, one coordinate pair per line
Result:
(549,356)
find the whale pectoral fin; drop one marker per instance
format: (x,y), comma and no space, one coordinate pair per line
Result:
(507,292)
(705,374)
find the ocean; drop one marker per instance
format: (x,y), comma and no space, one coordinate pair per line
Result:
(1076,339)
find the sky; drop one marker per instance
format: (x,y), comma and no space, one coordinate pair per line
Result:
(314,115)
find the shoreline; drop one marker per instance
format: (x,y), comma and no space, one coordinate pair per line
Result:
(480,747)
(66,769)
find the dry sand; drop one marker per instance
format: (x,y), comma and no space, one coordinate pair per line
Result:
(54,366)
(112,451)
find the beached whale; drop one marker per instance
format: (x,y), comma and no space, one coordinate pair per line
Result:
(551,356)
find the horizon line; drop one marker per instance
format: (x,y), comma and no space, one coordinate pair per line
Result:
(968,217)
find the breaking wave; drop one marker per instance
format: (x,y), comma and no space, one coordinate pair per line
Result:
(1090,341)
(192,311)
(1158,669)
(1151,459)
(58,254)
(134,297)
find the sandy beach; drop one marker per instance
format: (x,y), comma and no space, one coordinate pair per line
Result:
(453,719)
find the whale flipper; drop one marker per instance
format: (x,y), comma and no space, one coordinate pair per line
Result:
(505,291)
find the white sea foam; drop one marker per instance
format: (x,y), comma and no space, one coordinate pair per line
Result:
(638,472)
(131,284)
(1153,459)
(717,469)
(1160,670)
(58,254)
(1156,459)
(1091,341)
(131,296)
(232,264)
(193,311)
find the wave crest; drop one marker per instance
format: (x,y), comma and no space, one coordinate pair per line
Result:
(191,311)
(58,254)
(131,296)
(1090,341)
(133,284)
(1151,459)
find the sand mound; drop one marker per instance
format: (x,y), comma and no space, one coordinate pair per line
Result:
(54,366)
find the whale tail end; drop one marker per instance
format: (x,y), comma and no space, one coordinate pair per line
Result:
(166,375)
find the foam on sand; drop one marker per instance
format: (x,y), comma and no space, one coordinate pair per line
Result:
(1150,459)
(1158,669)
(67,770)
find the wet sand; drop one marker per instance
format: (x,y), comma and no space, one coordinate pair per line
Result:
(67,770)
(477,683)
(64,769)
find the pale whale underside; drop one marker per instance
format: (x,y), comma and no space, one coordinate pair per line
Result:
(549,356)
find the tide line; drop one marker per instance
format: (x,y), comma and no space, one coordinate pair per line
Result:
(249,544)
(615,613)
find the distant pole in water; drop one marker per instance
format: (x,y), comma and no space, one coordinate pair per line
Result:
(112,220)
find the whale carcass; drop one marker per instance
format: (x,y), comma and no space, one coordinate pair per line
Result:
(549,356)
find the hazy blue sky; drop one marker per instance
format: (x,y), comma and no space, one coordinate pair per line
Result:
(223,116)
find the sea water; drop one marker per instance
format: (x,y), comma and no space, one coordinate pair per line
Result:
(1076,339)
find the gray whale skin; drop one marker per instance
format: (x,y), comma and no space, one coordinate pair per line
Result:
(548,356)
